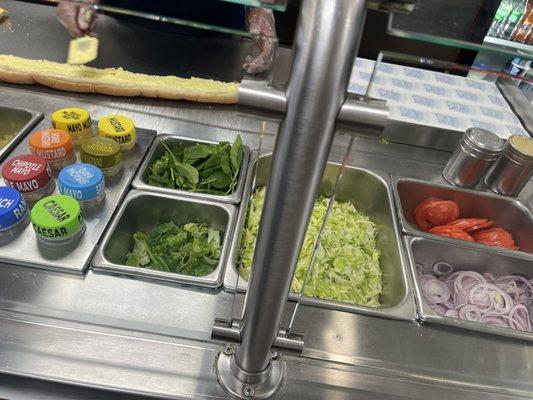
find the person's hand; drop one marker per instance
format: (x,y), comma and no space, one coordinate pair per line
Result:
(261,23)
(79,19)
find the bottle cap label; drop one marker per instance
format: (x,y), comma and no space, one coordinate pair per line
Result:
(12,207)
(27,173)
(101,152)
(81,181)
(119,128)
(75,121)
(51,144)
(57,217)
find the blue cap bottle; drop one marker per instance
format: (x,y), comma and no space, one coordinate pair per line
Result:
(14,216)
(83,182)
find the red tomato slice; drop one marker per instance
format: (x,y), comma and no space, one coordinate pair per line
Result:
(471,224)
(495,237)
(451,232)
(434,212)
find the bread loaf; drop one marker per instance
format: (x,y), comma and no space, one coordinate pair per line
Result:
(114,81)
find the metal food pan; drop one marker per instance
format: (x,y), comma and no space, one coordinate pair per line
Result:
(508,213)
(370,193)
(25,249)
(141,178)
(143,211)
(15,123)
(427,252)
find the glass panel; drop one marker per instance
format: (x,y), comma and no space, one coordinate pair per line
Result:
(216,17)
(141,45)
(431,93)
(463,25)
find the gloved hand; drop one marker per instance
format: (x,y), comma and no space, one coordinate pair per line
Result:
(79,19)
(261,22)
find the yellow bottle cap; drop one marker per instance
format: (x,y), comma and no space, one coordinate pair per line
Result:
(75,121)
(119,128)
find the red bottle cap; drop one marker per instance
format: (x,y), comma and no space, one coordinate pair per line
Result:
(26,173)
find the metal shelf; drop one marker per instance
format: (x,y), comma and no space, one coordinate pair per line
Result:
(509,44)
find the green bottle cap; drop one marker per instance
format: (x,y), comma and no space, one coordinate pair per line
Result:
(101,152)
(57,217)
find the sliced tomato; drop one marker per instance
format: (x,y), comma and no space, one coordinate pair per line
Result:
(434,212)
(451,232)
(471,224)
(495,237)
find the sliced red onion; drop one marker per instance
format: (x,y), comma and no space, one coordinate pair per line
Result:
(470,312)
(435,291)
(442,268)
(505,301)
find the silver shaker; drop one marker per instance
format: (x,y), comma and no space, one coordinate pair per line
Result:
(477,151)
(514,168)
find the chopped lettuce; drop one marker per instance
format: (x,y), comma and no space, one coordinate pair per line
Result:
(347,263)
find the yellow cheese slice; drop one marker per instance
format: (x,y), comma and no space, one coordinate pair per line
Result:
(82,50)
(114,81)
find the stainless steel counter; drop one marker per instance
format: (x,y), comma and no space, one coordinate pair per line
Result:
(150,338)
(146,337)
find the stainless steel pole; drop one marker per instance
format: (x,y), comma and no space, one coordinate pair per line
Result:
(326,43)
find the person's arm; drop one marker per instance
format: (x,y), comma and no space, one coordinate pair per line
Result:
(262,25)
(79,19)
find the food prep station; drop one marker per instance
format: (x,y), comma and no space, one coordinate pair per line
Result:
(99,327)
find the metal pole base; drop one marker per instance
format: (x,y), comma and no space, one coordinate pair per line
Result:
(242,385)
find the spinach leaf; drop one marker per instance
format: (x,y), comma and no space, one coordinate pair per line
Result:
(204,168)
(191,249)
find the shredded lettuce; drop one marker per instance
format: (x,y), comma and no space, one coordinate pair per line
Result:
(347,263)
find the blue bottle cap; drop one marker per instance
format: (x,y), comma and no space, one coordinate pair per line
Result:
(81,181)
(13,208)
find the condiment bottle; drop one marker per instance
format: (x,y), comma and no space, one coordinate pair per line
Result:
(514,168)
(103,153)
(83,182)
(58,220)
(119,128)
(75,121)
(31,175)
(55,146)
(475,154)
(14,216)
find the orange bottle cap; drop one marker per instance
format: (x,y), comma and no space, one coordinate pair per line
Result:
(51,144)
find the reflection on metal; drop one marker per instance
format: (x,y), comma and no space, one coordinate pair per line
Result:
(243,385)
(518,102)
(358,114)
(315,94)
(402,6)
(232,331)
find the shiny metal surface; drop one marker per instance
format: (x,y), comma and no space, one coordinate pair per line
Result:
(513,170)
(132,335)
(315,93)
(15,123)
(157,150)
(26,250)
(362,115)
(143,211)
(510,214)
(358,114)
(516,99)
(427,252)
(258,386)
(476,152)
(369,191)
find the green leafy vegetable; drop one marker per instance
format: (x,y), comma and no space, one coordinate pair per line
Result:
(347,262)
(190,249)
(205,168)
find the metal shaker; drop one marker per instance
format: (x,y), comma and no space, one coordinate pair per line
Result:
(514,168)
(475,154)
